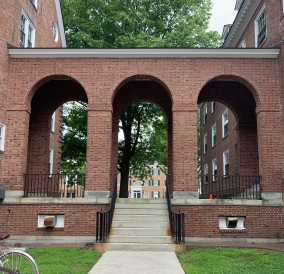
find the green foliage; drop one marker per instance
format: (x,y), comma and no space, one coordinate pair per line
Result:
(64,260)
(138,24)
(231,260)
(74,140)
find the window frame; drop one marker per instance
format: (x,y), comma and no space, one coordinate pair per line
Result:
(213,106)
(205,143)
(205,170)
(2,136)
(226,162)
(155,182)
(214,169)
(256,27)
(146,194)
(52,122)
(205,113)
(50,161)
(214,135)
(225,131)
(27,31)
(148,182)
(156,171)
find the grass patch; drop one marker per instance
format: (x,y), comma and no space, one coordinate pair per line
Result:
(231,261)
(64,260)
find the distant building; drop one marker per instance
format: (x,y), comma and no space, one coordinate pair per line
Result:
(152,187)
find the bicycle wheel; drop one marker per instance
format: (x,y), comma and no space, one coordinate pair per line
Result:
(19,261)
(4,270)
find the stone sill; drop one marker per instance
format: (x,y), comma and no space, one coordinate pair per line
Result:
(232,230)
(40,228)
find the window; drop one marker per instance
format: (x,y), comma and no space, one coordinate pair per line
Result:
(34,3)
(205,143)
(129,182)
(214,169)
(205,114)
(226,163)
(155,172)
(213,106)
(214,140)
(156,182)
(225,123)
(54,31)
(206,173)
(50,161)
(146,182)
(155,194)
(27,36)
(260,28)
(2,136)
(243,44)
(146,194)
(118,182)
(136,182)
(52,122)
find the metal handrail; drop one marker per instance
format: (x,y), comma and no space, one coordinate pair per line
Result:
(176,218)
(104,218)
(54,185)
(229,186)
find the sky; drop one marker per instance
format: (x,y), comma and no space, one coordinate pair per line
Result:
(223,13)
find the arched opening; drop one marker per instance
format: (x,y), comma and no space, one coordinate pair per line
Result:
(229,165)
(141,92)
(43,175)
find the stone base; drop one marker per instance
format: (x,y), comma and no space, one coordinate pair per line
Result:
(185,195)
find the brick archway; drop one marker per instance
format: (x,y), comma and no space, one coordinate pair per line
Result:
(141,88)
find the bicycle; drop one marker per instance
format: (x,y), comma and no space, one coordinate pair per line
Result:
(4,270)
(14,259)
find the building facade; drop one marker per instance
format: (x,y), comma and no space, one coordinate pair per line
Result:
(36,81)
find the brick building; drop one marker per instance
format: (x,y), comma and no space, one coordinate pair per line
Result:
(152,187)
(36,81)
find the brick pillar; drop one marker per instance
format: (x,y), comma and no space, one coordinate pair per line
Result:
(185,183)
(14,163)
(270,149)
(247,150)
(98,183)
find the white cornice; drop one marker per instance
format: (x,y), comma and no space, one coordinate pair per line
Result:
(60,23)
(241,21)
(142,53)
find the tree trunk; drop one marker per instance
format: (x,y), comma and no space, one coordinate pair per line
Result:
(123,193)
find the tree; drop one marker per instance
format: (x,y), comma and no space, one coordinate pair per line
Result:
(138,24)
(145,141)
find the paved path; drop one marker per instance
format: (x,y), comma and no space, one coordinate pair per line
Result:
(137,262)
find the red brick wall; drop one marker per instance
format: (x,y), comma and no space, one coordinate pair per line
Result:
(79,220)
(260,222)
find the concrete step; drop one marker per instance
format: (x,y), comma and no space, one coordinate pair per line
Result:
(138,211)
(137,224)
(140,232)
(141,205)
(140,201)
(140,239)
(141,218)
(138,247)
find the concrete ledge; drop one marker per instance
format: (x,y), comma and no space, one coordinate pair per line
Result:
(50,200)
(189,240)
(50,239)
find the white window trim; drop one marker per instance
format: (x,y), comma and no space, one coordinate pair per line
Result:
(55,31)
(2,136)
(214,164)
(205,113)
(156,183)
(256,25)
(243,44)
(212,134)
(212,109)
(34,3)
(52,123)
(27,24)
(224,160)
(205,140)
(223,122)
(50,162)
(205,170)
(146,194)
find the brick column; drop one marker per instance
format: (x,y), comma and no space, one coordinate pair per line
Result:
(98,183)
(14,163)
(270,150)
(185,183)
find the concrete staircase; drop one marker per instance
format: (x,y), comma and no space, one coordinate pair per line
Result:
(140,225)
